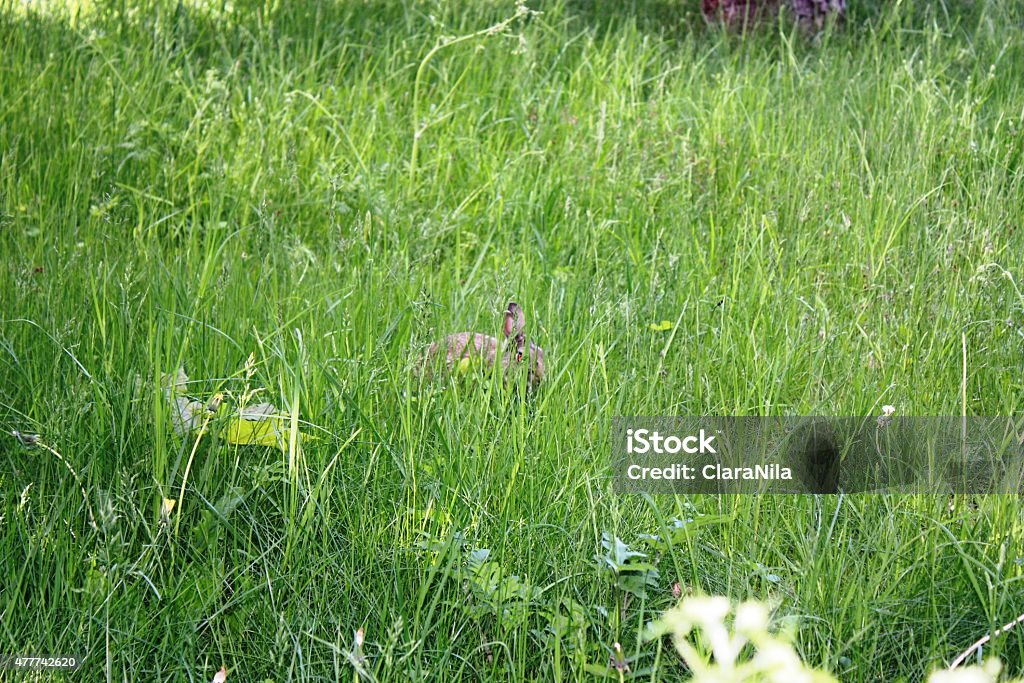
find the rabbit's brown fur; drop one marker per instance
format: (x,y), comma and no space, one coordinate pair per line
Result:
(514,349)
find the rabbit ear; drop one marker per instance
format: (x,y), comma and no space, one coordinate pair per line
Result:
(515,319)
(509,323)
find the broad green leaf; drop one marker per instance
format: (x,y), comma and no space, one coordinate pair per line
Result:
(267,432)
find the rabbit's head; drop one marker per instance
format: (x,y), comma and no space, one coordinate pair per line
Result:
(519,349)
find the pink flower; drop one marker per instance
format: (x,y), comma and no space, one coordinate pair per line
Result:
(812,14)
(736,13)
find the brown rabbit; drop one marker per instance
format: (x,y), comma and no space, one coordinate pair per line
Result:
(467,347)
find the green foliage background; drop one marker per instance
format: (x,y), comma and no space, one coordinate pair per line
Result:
(831,223)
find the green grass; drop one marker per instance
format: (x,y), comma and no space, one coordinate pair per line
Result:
(831,222)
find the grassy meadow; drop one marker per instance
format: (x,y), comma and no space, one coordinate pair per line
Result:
(290,201)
